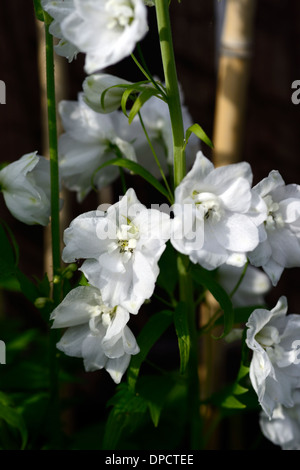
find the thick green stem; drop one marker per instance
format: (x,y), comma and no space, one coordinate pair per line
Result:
(185,282)
(172,88)
(55,229)
(53,154)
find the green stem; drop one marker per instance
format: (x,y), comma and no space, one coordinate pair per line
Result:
(147,75)
(185,282)
(55,224)
(156,158)
(172,88)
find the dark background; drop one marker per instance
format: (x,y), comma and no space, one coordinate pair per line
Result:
(272,137)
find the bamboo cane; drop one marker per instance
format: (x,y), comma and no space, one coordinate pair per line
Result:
(230,114)
(233,79)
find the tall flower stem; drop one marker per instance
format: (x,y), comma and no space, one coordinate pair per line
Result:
(185,281)
(172,88)
(55,223)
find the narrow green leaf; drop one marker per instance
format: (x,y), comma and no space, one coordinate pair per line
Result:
(128,408)
(28,288)
(148,336)
(183,335)
(206,279)
(146,94)
(137,169)
(199,132)
(12,417)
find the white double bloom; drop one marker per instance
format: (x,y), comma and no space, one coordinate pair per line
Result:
(95,332)
(25,185)
(280,233)
(273,337)
(107,31)
(90,140)
(284,427)
(121,249)
(216,214)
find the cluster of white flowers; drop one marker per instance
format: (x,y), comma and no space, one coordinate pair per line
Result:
(220,222)
(121,249)
(95,134)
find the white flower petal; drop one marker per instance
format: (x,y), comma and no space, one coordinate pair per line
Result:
(77,307)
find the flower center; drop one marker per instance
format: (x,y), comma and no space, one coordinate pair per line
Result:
(127,237)
(101,315)
(210,203)
(274,218)
(121,14)
(268,336)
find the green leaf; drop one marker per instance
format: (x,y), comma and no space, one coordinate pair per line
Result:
(199,132)
(7,256)
(130,89)
(183,335)
(155,389)
(168,274)
(146,94)
(151,332)
(25,375)
(232,402)
(39,13)
(230,397)
(137,169)
(206,279)
(28,288)
(12,417)
(128,408)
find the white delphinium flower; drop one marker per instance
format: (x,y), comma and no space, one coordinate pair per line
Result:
(252,289)
(107,31)
(25,185)
(90,139)
(156,118)
(95,332)
(121,248)
(274,370)
(280,245)
(59,10)
(284,427)
(216,215)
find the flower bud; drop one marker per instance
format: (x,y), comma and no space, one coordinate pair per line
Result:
(95,85)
